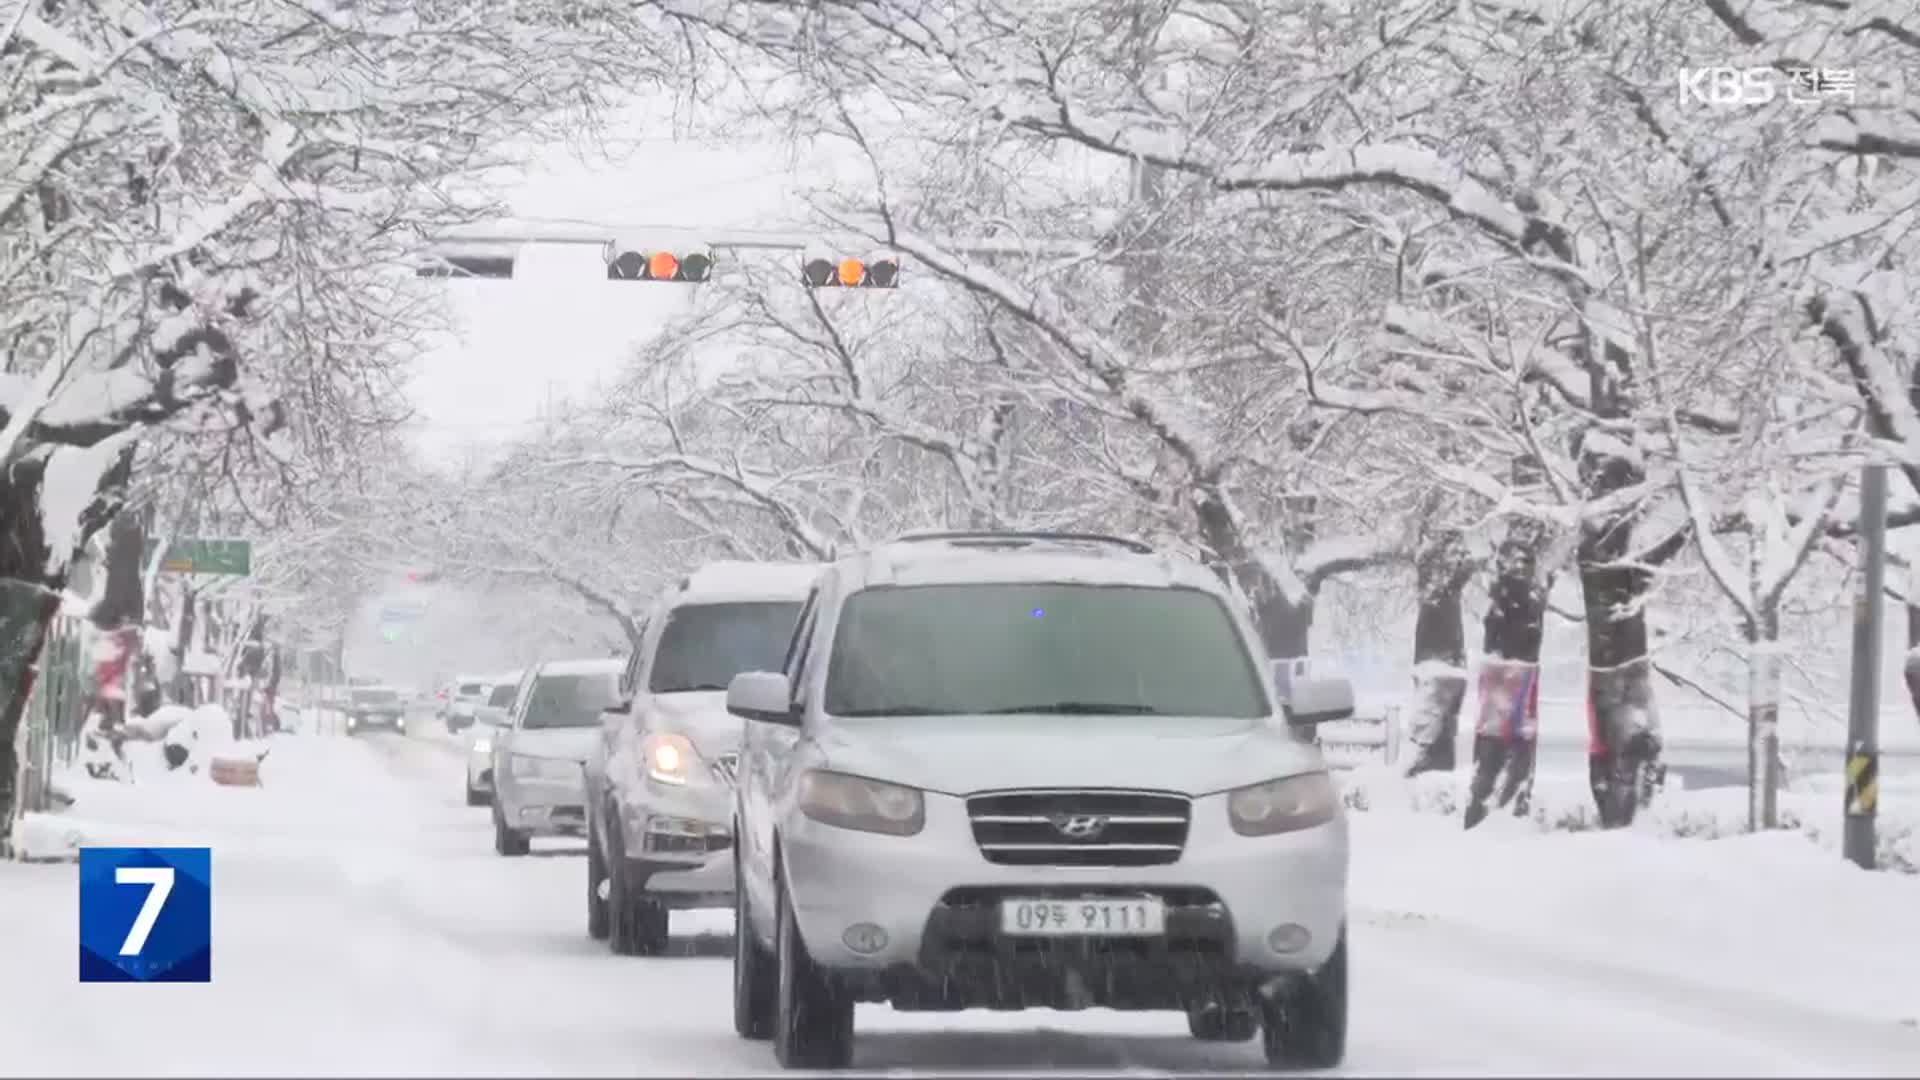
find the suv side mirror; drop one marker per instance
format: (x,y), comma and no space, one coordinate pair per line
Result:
(1318,701)
(764,696)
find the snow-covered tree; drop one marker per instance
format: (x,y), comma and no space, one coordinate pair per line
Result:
(200,209)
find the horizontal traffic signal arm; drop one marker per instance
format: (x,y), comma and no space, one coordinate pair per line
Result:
(881,273)
(486,266)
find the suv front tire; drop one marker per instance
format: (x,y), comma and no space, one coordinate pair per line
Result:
(638,924)
(813,1018)
(1304,1024)
(756,976)
(599,920)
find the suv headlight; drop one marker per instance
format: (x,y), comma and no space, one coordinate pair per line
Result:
(1283,806)
(542,768)
(854,802)
(669,757)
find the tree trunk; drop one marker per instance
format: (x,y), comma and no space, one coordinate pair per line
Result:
(1505,734)
(1623,745)
(26,610)
(119,616)
(1623,730)
(1442,571)
(1910,668)
(32,575)
(182,689)
(1763,716)
(1285,627)
(1284,623)
(253,655)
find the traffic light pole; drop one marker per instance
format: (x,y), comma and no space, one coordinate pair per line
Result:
(1863,713)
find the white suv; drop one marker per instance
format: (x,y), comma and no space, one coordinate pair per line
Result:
(660,776)
(539,755)
(1035,770)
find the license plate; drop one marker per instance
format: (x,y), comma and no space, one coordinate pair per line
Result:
(1139,916)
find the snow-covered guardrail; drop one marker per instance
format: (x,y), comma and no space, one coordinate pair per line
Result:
(1372,739)
(1690,734)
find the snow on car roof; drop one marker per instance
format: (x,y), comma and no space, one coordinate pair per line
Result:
(942,562)
(735,580)
(597,666)
(504,677)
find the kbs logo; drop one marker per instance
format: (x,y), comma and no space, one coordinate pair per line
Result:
(146,915)
(1727,86)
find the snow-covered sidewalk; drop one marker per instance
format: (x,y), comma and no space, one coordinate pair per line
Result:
(309,783)
(1758,916)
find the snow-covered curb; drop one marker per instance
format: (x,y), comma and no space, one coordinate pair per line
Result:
(1562,803)
(158,805)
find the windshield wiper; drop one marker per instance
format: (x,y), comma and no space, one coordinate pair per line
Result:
(1078,708)
(689,689)
(897,710)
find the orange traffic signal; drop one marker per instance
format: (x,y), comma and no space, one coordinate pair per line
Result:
(659,266)
(851,273)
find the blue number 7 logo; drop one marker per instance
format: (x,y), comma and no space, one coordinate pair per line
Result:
(146,914)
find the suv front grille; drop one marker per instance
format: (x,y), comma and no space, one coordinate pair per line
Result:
(1080,827)
(725,768)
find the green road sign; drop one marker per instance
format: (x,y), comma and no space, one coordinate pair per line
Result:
(233,557)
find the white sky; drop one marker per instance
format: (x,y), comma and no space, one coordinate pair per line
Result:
(559,324)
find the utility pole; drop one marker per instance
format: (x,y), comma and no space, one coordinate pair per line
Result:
(1863,712)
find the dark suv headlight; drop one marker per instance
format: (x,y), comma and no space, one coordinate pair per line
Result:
(1283,806)
(855,802)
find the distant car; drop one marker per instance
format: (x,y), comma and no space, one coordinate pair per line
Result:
(489,719)
(661,777)
(375,707)
(539,758)
(464,696)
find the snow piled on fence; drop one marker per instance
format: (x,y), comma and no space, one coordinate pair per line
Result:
(1563,803)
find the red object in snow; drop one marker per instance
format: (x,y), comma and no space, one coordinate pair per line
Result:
(113,654)
(235,772)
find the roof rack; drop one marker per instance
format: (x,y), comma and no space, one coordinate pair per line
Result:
(1023,537)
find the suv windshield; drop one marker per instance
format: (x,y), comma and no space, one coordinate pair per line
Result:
(568,701)
(502,695)
(936,650)
(705,645)
(375,697)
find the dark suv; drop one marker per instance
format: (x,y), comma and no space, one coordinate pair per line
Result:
(376,707)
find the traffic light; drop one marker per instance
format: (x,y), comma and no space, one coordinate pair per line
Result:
(693,266)
(881,273)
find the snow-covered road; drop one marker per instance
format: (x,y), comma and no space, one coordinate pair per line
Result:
(363,925)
